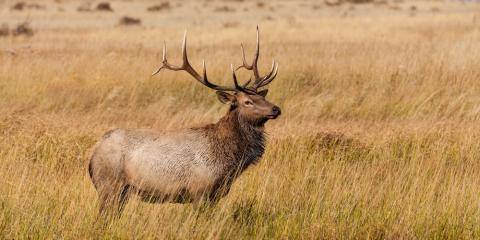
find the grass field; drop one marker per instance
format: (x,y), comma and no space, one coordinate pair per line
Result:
(379,136)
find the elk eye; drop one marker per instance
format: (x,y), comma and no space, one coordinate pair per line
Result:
(248,103)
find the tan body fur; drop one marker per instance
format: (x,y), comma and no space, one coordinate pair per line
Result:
(159,163)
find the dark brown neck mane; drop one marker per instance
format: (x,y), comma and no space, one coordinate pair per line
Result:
(235,143)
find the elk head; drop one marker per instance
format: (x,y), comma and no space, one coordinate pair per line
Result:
(247,99)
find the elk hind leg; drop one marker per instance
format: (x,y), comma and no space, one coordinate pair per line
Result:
(113,199)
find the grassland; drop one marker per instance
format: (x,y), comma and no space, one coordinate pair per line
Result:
(379,136)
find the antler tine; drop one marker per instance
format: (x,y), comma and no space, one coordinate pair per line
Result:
(244,63)
(235,78)
(274,64)
(189,69)
(186,64)
(165,64)
(184,50)
(248,82)
(253,66)
(255,58)
(267,79)
(259,81)
(164,58)
(204,70)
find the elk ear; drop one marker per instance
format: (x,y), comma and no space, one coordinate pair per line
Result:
(225,97)
(263,93)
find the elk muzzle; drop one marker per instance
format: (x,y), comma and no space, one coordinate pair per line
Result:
(276,111)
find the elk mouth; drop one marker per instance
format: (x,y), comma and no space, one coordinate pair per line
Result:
(272,116)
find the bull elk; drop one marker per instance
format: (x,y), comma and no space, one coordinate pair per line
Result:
(190,165)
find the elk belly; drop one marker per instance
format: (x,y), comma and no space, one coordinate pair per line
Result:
(167,169)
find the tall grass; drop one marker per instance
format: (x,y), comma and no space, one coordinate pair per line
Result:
(379,136)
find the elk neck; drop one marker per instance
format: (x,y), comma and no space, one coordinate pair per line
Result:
(235,143)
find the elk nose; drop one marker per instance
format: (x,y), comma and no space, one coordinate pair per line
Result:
(276,111)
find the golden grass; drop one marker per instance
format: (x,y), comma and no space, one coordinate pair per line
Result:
(379,136)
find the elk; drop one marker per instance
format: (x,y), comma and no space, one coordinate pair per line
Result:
(191,165)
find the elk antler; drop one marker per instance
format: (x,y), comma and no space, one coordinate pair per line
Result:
(259,81)
(189,69)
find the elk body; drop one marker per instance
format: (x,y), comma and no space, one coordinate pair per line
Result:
(189,165)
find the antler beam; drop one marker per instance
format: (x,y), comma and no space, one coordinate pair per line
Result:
(189,69)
